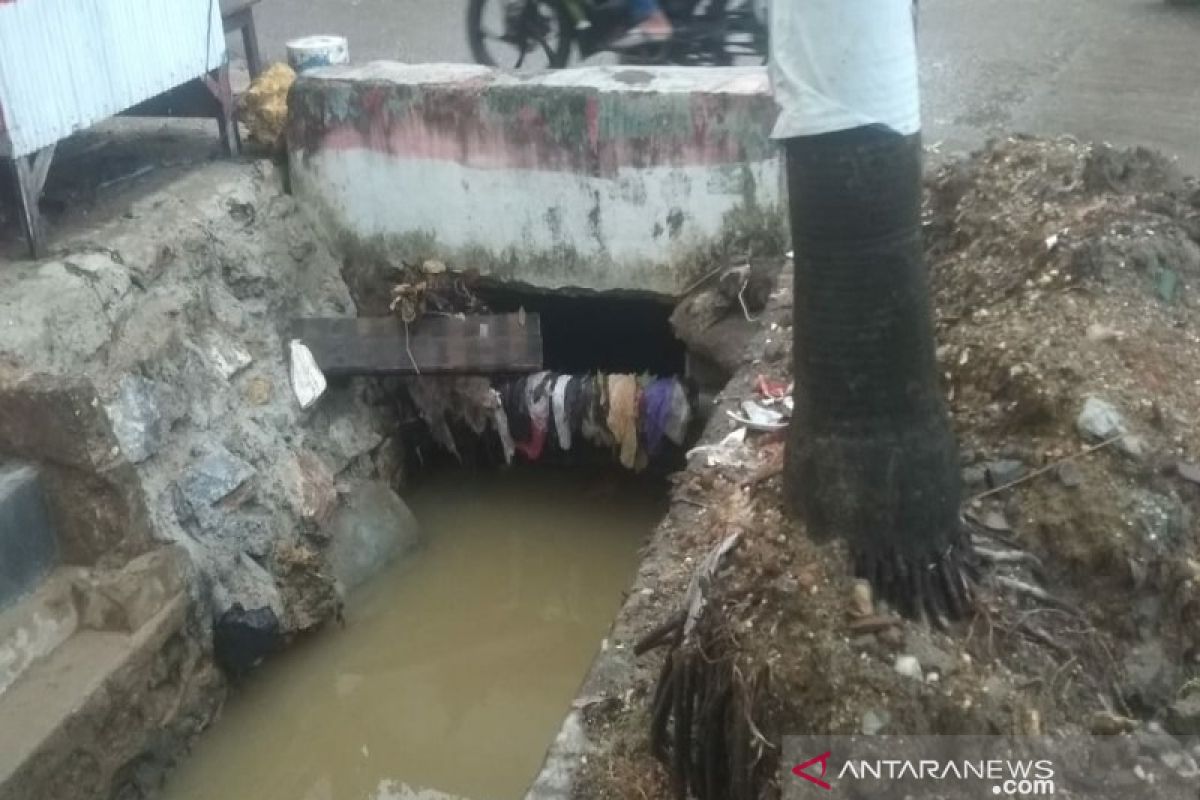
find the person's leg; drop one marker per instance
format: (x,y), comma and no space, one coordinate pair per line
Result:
(642,9)
(652,25)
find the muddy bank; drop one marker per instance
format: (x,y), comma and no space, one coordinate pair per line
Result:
(143,375)
(1064,277)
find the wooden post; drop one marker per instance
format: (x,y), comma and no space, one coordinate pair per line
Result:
(217,83)
(29,176)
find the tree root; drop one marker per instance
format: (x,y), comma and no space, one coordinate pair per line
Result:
(701,725)
(936,588)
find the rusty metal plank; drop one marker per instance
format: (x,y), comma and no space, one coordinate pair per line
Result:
(481,344)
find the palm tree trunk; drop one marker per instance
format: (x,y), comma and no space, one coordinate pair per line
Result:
(871,455)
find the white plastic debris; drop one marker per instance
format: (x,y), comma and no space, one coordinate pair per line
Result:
(909,667)
(729,452)
(758,417)
(308,382)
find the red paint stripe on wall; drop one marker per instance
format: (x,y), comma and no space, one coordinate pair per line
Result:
(491,150)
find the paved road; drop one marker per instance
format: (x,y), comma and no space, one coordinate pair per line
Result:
(1125,71)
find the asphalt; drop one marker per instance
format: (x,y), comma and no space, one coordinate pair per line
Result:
(1123,71)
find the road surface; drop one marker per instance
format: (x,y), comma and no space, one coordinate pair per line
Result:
(1125,71)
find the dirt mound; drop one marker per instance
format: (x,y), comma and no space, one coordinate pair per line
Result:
(1067,284)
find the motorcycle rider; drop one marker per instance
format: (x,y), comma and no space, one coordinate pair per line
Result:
(652,26)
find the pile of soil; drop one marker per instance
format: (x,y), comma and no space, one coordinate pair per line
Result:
(1064,276)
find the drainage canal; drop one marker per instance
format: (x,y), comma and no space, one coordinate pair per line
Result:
(456,667)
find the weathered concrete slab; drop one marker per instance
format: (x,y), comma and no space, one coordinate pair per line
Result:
(598,178)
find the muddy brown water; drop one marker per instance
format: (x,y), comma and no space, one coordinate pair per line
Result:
(455,668)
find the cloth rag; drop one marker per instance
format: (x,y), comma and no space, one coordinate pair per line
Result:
(558,403)
(500,420)
(622,416)
(680,415)
(655,413)
(537,401)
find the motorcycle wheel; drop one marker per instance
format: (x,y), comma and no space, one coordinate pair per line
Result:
(540,39)
(738,38)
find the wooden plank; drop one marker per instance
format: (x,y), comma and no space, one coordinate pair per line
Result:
(439,345)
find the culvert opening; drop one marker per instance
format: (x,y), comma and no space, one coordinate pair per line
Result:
(612,391)
(458,663)
(599,332)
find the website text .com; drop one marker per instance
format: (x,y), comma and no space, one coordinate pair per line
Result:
(1024,787)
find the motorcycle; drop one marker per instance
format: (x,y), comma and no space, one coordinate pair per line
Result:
(544,34)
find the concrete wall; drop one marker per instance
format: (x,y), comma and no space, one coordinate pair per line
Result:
(597,178)
(27,546)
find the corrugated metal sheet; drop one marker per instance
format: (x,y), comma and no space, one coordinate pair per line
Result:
(66,64)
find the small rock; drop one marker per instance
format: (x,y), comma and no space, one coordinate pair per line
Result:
(241,638)
(136,420)
(909,667)
(310,487)
(861,601)
(1004,471)
(1183,716)
(875,721)
(1099,420)
(921,647)
(1070,475)
(1106,723)
(974,476)
(213,478)
(433,267)
(1133,446)
(1030,722)
(1150,677)
(258,391)
(1189,472)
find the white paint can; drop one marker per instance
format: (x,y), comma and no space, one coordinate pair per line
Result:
(308,52)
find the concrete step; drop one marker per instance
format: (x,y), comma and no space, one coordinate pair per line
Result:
(36,625)
(27,540)
(76,657)
(47,696)
(43,711)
